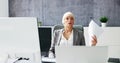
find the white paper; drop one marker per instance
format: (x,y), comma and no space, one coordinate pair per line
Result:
(94,29)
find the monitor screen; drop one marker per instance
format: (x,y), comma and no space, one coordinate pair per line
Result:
(45,39)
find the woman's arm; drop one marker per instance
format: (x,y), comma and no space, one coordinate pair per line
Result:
(53,43)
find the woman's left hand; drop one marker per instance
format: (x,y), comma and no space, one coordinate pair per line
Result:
(94,40)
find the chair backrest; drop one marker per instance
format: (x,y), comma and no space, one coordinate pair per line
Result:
(78,27)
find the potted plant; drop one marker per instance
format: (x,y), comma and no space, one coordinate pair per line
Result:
(103,21)
(39,23)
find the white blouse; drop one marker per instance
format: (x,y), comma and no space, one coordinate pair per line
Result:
(66,42)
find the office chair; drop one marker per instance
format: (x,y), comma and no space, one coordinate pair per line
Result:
(78,27)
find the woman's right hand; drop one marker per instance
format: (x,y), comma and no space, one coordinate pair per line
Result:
(51,55)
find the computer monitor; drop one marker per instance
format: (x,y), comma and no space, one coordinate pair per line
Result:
(81,54)
(19,38)
(45,35)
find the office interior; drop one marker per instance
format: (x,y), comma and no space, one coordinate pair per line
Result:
(47,13)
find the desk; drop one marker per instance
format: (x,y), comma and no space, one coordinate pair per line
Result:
(48,60)
(110,36)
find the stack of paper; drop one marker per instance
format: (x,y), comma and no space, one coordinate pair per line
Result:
(94,29)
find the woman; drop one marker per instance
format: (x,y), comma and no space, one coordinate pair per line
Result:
(68,36)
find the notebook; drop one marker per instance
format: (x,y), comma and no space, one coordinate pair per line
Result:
(81,54)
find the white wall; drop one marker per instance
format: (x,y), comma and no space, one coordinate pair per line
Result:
(4,8)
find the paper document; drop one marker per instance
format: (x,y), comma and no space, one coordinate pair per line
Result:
(94,29)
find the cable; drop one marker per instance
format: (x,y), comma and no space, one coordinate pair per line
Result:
(20,59)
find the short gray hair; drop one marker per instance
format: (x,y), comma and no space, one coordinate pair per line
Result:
(67,13)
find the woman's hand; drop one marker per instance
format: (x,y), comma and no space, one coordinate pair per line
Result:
(94,40)
(51,55)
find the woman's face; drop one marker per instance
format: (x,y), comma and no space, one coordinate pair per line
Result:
(69,21)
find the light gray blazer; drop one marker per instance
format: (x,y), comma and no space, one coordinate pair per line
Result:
(78,38)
